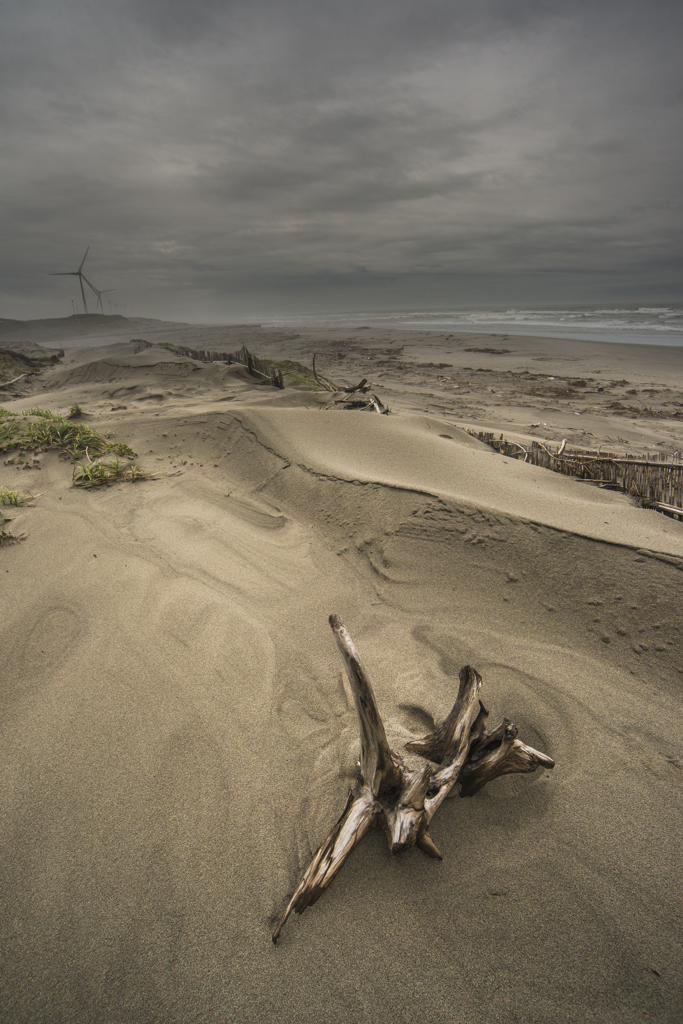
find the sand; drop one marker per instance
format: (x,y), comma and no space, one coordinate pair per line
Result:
(177,737)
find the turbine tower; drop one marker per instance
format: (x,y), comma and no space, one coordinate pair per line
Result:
(81,278)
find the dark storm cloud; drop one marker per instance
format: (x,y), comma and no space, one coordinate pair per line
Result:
(214,149)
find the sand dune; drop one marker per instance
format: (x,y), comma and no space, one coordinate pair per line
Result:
(178,738)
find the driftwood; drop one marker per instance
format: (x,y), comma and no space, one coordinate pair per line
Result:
(362,386)
(403,801)
(325,384)
(7,383)
(348,389)
(348,401)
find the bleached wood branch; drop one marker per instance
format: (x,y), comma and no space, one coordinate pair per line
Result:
(7,383)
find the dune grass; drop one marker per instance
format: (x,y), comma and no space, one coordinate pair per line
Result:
(14,497)
(44,414)
(39,429)
(98,473)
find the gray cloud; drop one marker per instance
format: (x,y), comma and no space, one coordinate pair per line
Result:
(223,158)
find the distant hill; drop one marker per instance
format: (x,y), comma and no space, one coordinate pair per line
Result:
(82,329)
(85,324)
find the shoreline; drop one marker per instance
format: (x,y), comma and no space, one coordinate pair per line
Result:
(98,328)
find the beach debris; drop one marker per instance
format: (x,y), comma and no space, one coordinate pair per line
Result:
(8,538)
(12,360)
(346,399)
(14,380)
(361,387)
(349,395)
(324,382)
(349,402)
(372,402)
(401,800)
(492,352)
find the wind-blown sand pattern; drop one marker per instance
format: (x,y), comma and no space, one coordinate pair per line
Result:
(178,736)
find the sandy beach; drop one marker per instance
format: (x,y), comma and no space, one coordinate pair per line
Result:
(178,736)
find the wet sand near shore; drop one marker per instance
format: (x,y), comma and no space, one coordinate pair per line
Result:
(177,736)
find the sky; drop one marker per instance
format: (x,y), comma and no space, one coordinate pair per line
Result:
(226,159)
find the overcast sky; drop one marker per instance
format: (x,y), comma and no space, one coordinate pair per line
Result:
(227,158)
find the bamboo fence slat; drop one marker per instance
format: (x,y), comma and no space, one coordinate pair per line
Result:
(654,479)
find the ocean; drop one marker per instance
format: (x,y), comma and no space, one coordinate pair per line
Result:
(649,325)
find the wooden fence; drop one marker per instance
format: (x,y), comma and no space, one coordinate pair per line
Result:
(258,368)
(656,480)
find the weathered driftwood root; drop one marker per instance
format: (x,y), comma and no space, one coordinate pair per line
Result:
(349,399)
(403,801)
(350,402)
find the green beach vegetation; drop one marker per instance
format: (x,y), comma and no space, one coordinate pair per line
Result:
(36,430)
(98,473)
(14,497)
(39,429)
(296,373)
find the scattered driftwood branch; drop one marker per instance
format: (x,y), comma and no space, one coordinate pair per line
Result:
(350,401)
(515,444)
(401,800)
(363,386)
(324,383)
(7,383)
(352,389)
(377,406)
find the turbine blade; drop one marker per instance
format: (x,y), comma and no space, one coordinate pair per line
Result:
(80,278)
(90,284)
(83,260)
(64,273)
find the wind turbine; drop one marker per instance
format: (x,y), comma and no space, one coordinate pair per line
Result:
(100,294)
(81,278)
